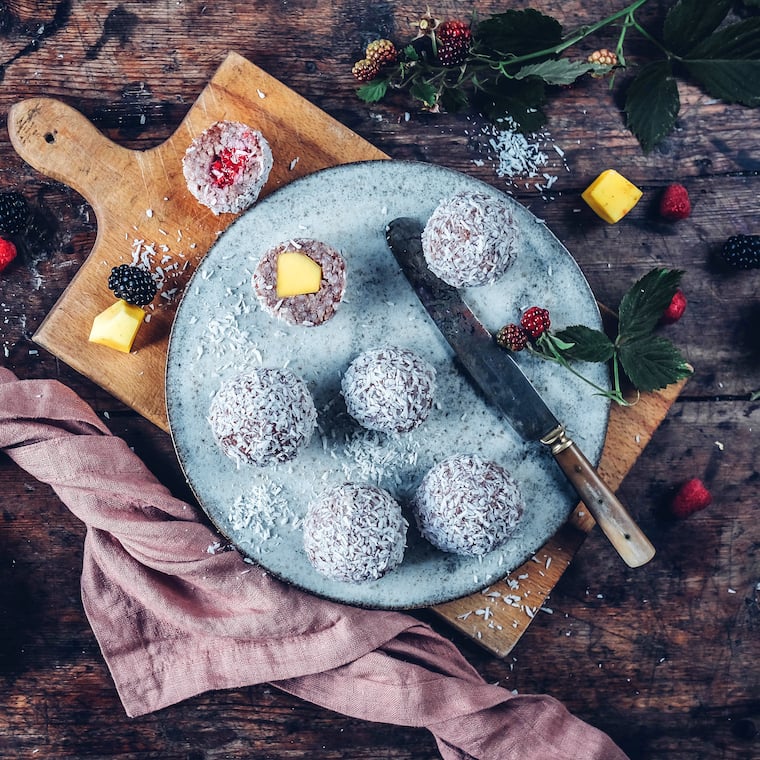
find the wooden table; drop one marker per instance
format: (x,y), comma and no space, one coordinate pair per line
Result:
(663,658)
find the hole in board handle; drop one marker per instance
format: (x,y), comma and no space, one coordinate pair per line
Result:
(49,138)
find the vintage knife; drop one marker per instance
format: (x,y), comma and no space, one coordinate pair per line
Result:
(500,378)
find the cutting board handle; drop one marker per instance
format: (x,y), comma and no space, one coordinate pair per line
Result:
(61,143)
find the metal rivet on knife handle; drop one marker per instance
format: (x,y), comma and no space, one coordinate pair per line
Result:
(610,514)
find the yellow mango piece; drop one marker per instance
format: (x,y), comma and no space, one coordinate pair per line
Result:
(611,196)
(117,326)
(297,274)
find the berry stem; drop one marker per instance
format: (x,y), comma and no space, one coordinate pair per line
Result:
(545,349)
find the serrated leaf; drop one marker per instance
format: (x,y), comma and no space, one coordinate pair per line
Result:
(424,92)
(644,303)
(588,345)
(652,363)
(727,64)
(373,91)
(557,71)
(515,33)
(453,100)
(520,100)
(689,21)
(652,104)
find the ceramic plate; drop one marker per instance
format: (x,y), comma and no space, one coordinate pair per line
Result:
(220,331)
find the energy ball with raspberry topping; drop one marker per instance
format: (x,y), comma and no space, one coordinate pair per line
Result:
(470,239)
(354,533)
(263,417)
(226,166)
(389,389)
(467,505)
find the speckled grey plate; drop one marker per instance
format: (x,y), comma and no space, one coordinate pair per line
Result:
(220,331)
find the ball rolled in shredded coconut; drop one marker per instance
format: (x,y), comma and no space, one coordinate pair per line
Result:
(470,239)
(263,417)
(308,309)
(226,166)
(467,505)
(389,389)
(354,533)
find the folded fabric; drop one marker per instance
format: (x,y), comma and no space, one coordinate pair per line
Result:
(175,618)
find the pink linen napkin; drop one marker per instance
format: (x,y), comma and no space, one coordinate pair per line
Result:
(174,620)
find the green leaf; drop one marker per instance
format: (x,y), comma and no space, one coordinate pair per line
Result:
(515,33)
(689,21)
(373,91)
(588,345)
(652,363)
(518,99)
(559,71)
(642,306)
(727,64)
(652,104)
(424,92)
(453,100)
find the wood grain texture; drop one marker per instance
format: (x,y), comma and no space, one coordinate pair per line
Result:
(663,658)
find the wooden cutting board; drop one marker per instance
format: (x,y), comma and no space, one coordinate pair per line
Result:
(143,209)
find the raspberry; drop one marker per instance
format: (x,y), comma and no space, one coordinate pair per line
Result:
(226,166)
(675,203)
(512,337)
(7,253)
(453,42)
(132,284)
(536,321)
(365,70)
(381,52)
(692,497)
(742,251)
(675,309)
(14,213)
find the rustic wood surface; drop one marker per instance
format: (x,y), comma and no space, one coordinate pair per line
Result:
(663,658)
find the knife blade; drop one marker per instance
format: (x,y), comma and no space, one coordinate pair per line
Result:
(500,378)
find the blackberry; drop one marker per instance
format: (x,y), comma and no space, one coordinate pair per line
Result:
(454,39)
(365,70)
(536,321)
(381,52)
(132,284)
(742,251)
(512,337)
(14,213)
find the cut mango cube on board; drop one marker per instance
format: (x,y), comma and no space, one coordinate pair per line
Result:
(117,326)
(611,196)
(297,274)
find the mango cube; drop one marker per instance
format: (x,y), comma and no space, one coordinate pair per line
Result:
(611,196)
(297,274)
(117,326)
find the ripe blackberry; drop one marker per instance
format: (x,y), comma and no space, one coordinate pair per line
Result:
(132,284)
(536,321)
(512,337)
(742,251)
(14,213)
(453,39)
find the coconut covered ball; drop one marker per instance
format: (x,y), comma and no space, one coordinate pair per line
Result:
(354,533)
(389,389)
(263,417)
(467,505)
(226,166)
(470,239)
(300,281)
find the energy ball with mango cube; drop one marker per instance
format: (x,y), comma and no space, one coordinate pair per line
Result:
(611,196)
